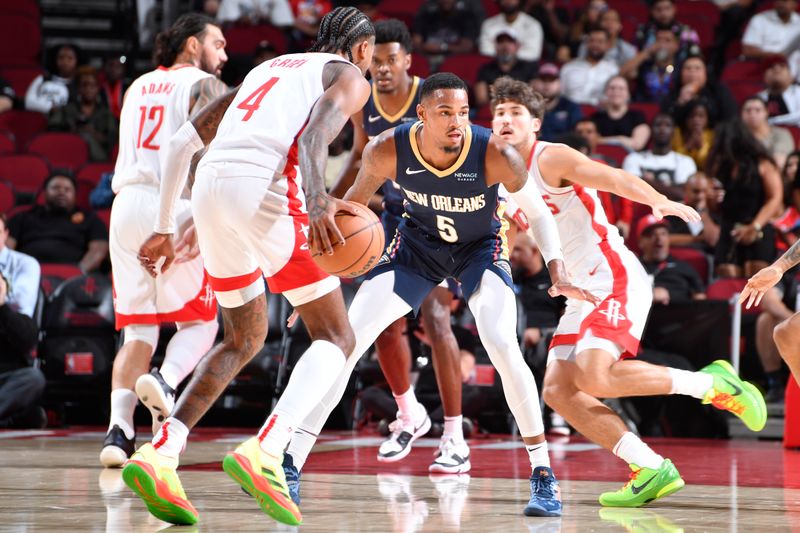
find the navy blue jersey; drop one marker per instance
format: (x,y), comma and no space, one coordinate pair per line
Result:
(376,121)
(454,204)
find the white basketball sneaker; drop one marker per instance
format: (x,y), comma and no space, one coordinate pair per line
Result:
(452,458)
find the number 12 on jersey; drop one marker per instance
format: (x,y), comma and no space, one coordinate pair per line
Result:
(156,114)
(253,102)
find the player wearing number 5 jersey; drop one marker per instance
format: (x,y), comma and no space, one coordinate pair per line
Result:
(584,360)
(251,222)
(189,55)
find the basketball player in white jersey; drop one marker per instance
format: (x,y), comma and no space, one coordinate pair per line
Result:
(251,222)
(585,358)
(190,56)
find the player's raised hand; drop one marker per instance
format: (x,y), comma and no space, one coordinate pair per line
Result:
(156,246)
(323,232)
(668,207)
(568,290)
(186,248)
(759,284)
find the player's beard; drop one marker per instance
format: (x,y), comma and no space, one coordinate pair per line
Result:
(451,149)
(207,66)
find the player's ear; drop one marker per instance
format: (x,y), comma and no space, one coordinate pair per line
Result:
(192,45)
(362,50)
(421,112)
(407,61)
(536,124)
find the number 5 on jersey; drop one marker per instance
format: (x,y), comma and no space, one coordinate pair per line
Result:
(253,102)
(447,229)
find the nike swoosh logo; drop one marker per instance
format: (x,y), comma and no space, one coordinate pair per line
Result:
(371,119)
(737,389)
(409,171)
(640,488)
(593,271)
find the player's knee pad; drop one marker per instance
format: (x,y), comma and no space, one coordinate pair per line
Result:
(147,333)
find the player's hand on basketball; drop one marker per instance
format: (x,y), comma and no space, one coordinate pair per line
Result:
(186,248)
(682,211)
(156,246)
(568,290)
(759,284)
(323,232)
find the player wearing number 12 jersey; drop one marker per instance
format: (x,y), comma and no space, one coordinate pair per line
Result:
(189,55)
(584,359)
(251,222)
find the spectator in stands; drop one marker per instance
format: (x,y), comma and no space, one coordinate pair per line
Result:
(588,18)
(778,304)
(616,122)
(21,384)
(444,27)
(527,30)
(505,63)
(583,80)
(776,31)
(733,14)
(782,95)
(753,196)
(694,136)
(275,12)
(561,114)
(692,85)
(662,16)
(88,116)
(778,141)
(55,87)
(554,21)
(662,167)
(58,232)
(114,84)
(654,67)
(673,280)
(791,177)
(703,234)
(264,52)
(210,8)
(307,16)
(587,129)
(8,97)
(619,50)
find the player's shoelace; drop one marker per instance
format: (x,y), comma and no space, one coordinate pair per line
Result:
(544,487)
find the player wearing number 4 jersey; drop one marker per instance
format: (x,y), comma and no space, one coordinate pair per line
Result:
(189,55)
(251,222)
(584,362)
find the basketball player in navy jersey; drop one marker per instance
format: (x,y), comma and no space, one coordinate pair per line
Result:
(449,173)
(393,102)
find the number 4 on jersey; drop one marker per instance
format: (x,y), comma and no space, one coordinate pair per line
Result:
(253,102)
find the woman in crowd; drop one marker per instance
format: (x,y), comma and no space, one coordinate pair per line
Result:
(694,136)
(778,141)
(616,122)
(693,85)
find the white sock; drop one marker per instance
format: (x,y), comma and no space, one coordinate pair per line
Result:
(185,349)
(123,404)
(407,404)
(312,377)
(300,446)
(170,440)
(632,450)
(694,384)
(453,428)
(537,454)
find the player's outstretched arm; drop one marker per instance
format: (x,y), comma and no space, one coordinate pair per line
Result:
(378,163)
(505,165)
(348,175)
(347,92)
(768,277)
(560,163)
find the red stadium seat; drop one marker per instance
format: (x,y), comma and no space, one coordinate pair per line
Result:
(795,131)
(698,8)
(744,89)
(648,109)
(405,10)
(7,145)
(634,11)
(419,66)
(62,150)
(465,66)
(22,40)
(7,198)
(613,151)
(54,274)
(105,216)
(724,289)
(491,7)
(24,125)
(747,70)
(696,258)
(243,40)
(20,78)
(21,7)
(700,24)
(26,172)
(93,172)
(588,110)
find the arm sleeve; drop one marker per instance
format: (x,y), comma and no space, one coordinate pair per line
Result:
(174,173)
(26,285)
(541,221)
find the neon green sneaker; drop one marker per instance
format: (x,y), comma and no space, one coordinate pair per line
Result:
(639,520)
(261,475)
(154,479)
(730,393)
(644,486)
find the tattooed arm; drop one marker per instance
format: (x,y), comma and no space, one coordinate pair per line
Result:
(768,277)
(378,162)
(203,93)
(346,93)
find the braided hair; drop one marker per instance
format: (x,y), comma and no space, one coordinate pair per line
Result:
(171,41)
(340,29)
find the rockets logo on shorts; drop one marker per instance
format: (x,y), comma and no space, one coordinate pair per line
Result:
(612,312)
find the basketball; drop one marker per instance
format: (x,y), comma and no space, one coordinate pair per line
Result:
(364,243)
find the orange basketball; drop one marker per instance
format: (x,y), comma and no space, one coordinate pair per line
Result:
(364,242)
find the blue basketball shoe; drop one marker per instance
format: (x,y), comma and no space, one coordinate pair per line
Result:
(292,478)
(545,493)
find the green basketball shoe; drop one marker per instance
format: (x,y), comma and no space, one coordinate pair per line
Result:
(730,393)
(645,486)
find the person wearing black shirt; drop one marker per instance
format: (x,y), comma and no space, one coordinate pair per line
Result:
(445,27)
(505,63)
(8,97)
(673,280)
(58,232)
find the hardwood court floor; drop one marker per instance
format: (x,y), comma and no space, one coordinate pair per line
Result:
(51,480)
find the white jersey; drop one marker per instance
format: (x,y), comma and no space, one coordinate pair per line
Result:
(258,134)
(155,107)
(582,223)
